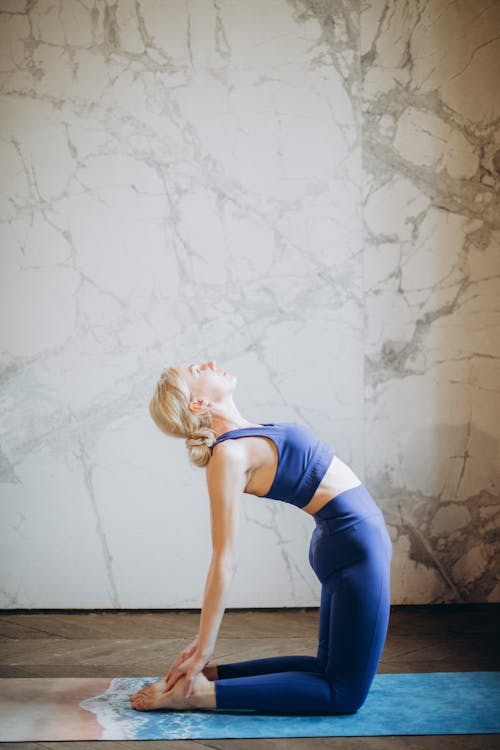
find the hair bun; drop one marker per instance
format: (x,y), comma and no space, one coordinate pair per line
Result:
(191,441)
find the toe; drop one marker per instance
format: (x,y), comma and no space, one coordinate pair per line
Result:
(142,692)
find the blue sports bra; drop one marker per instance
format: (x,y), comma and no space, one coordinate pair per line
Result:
(302,459)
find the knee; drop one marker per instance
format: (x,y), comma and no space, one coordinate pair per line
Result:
(351,701)
(347,699)
(351,706)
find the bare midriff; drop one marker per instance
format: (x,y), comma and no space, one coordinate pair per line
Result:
(338,478)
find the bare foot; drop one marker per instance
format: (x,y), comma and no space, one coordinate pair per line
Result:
(155,696)
(148,693)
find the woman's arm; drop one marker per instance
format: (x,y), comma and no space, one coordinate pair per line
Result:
(226,480)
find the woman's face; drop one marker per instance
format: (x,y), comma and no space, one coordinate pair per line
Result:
(206,381)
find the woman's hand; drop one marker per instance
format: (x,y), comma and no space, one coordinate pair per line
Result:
(184,654)
(187,661)
(190,668)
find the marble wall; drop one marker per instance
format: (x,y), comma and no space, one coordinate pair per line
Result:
(306,191)
(431,178)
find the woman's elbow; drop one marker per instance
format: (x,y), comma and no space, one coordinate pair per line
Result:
(226,561)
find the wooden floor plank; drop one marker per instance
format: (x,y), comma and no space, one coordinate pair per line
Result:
(163,625)
(144,644)
(429,742)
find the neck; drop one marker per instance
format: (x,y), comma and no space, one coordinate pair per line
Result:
(229,418)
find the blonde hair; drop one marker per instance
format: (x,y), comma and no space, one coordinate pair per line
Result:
(169,409)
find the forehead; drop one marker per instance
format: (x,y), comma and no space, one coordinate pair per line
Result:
(184,368)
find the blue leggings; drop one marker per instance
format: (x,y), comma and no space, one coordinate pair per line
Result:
(351,553)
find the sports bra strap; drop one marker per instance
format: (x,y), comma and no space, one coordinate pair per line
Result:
(244,432)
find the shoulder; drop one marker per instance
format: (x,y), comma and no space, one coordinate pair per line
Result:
(228,466)
(226,453)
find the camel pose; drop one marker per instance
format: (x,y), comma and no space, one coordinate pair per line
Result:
(350,552)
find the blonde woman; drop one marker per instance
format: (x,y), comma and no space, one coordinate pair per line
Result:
(350,552)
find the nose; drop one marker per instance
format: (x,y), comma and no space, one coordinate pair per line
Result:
(210,364)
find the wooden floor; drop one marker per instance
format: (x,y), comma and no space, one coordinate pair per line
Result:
(420,639)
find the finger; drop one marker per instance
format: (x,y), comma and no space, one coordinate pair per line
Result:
(171,679)
(188,687)
(169,685)
(175,676)
(168,676)
(178,677)
(171,682)
(178,661)
(183,656)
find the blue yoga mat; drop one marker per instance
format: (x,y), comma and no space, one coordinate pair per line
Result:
(397,704)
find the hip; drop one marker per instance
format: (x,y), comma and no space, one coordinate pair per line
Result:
(350,530)
(346,509)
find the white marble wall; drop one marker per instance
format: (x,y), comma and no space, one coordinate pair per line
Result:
(431,178)
(304,191)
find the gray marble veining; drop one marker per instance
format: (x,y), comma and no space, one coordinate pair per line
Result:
(306,191)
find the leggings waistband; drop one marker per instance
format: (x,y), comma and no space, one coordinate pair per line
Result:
(347,508)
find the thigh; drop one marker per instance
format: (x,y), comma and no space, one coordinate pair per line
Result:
(362,606)
(325,615)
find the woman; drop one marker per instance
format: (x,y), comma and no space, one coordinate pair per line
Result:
(350,552)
